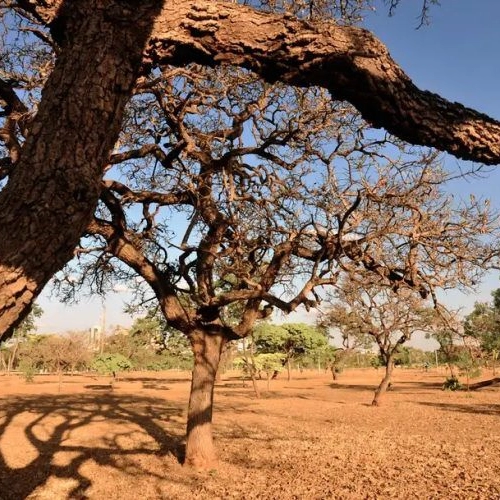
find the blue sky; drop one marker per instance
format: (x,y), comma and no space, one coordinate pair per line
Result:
(455,56)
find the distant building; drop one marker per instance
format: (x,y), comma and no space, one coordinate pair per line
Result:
(95,337)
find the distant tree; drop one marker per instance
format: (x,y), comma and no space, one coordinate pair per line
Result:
(483,325)
(369,310)
(54,353)
(111,364)
(411,356)
(291,340)
(352,337)
(64,353)
(9,349)
(268,363)
(151,344)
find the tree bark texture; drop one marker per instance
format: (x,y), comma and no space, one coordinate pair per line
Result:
(200,450)
(52,192)
(384,384)
(349,61)
(53,189)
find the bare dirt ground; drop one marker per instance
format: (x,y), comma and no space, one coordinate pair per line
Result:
(308,438)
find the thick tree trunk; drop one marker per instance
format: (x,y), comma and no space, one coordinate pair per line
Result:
(53,190)
(382,388)
(200,450)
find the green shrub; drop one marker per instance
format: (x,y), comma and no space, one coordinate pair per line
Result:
(111,364)
(452,384)
(28,370)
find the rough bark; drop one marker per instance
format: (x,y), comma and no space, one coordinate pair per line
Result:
(384,384)
(200,450)
(52,193)
(349,61)
(53,189)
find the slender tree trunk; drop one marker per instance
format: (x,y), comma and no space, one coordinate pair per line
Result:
(60,376)
(200,450)
(52,192)
(254,384)
(250,361)
(382,388)
(12,356)
(289,368)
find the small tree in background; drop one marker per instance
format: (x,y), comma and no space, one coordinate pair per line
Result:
(111,364)
(366,309)
(54,353)
(150,344)
(352,337)
(9,349)
(483,325)
(268,363)
(291,340)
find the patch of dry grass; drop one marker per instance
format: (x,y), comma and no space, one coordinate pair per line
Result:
(308,438)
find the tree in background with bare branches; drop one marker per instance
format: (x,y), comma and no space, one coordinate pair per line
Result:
(372,312)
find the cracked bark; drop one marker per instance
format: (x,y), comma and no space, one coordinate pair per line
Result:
(207,348)
(51,194)
(349,61)
(54,188)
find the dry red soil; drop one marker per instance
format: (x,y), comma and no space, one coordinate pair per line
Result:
(309,438)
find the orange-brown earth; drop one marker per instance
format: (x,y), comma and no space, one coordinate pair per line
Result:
(309,438)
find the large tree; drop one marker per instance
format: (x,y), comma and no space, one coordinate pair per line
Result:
(55,160)
(230,197)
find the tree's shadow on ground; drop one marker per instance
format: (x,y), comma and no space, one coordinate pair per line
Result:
(353,387)
(57,418)
(156,380)
(484,409)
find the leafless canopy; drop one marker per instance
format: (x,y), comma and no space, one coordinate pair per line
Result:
(228,194)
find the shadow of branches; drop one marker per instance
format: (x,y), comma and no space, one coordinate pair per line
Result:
(50,424)
(484,409)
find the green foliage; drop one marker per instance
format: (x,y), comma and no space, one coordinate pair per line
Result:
(409,356)
(28,324)
(152,345)
(467,364)
(452,384)
(28,370)
(377,361)
(9,349)
(110,363)
(146,331)
(483,324)
(290,339)
(447,352)
(265,362)
(269,363)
